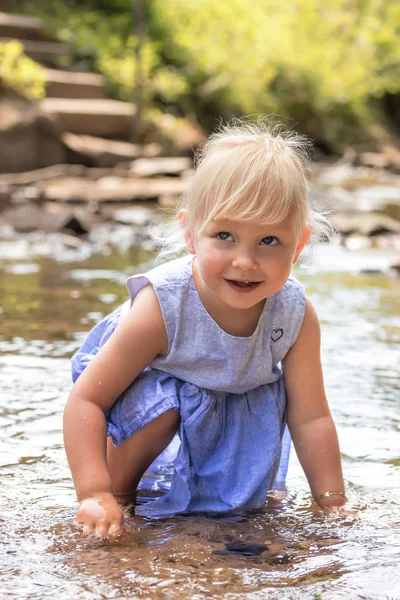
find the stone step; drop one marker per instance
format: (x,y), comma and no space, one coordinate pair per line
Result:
(71,84)
(101,118)
(49,53)
(101,153)
(19,26)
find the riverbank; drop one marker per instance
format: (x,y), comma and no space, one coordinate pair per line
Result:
(85,208)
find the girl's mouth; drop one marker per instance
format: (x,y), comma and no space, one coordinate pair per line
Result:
(243,286)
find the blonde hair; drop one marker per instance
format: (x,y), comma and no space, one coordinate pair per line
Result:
(248,171)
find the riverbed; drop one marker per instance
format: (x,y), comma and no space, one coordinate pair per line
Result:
(49,299)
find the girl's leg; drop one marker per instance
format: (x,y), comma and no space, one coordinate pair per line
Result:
(128,462)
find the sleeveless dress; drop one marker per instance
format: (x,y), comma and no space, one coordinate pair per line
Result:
(228,390)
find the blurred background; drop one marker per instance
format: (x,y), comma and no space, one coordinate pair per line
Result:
(111,98)
(332,71)
(102,105)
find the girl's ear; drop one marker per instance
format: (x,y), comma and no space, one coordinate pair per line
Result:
(302,241)
(182,218)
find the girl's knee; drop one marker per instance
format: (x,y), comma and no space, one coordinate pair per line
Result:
(128,462)
(170,419)
(165,425)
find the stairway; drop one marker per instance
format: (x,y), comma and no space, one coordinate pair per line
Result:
(77,101)
(80,154)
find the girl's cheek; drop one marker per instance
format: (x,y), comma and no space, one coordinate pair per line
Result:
(211,260)
(213,250)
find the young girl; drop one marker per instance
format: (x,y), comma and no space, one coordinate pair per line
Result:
(221,346)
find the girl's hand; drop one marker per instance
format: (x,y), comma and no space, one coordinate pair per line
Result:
(100,515)
(332,503)
(335,508)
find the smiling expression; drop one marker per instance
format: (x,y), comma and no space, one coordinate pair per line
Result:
(239,264)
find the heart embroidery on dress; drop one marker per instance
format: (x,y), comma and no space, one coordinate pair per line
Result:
(276,334)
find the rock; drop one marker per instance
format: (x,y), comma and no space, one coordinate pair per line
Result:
(62,218)
(364,223)
(335,174)
(388,156)
(138,189)
(24,218)
(372,271)
(24,195)
(72,84)
(388,242)
(29,217)
(70,189)
(50,53)
(392,209)
(374,159)
(56,171)
(168,202)
(20,26)
(373,196)
(5,196)
(392,153)
(7,232)
(103,118)
(134,215)
(148,167)
(38,175)
(98,152)
(111,189)
(97,173)
(28,139)
(334,198)
(357,242)
(382,198)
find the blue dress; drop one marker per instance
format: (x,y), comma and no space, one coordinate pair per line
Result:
(229,391)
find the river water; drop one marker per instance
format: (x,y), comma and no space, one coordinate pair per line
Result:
(48,300)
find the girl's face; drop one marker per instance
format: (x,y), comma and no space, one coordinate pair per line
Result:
(244,263)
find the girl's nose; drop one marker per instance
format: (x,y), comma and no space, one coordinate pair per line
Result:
(244,261)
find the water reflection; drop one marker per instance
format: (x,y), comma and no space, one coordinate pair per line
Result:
(294,551)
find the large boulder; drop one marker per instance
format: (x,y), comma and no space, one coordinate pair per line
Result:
(28,139)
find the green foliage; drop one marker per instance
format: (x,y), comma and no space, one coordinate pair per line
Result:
(19,73)
(318,63)
(101,37)
(322,65)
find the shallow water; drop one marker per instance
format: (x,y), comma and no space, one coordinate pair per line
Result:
(295,551)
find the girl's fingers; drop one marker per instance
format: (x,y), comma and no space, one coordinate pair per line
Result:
(86,527)
(87,530)
(101,530)
(115,528)
(99,523)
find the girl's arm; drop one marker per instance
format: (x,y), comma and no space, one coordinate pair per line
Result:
(310,423)
(137,340)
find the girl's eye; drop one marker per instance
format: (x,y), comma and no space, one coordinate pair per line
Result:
(270,240)
(223,235)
